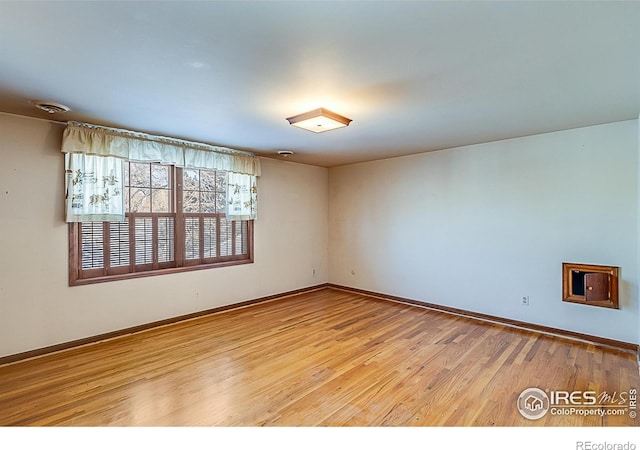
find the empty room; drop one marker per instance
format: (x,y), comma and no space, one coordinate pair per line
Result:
(319,214)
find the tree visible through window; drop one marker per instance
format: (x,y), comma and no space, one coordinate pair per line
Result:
(175,220)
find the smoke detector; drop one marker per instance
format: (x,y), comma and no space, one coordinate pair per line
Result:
(285,153)
(50,107)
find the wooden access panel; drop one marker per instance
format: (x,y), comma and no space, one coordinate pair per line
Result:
(596,287)
(590,284)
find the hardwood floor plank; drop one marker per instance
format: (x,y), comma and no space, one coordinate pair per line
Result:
(323,358)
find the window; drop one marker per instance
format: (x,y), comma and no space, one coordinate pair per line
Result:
(174,221)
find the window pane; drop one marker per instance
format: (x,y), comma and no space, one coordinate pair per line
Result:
(210,238)
(208,180)
(165,239)
(191,179)
(221,203)
(92,245)
(208,202)
(140,175)
(221,192)
(144,240)
(159,176)
(191,201)
(160,200)
(119,244)
(221,182)
(140,200)
(192,237)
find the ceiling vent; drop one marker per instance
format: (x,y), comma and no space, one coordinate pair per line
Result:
(50,107)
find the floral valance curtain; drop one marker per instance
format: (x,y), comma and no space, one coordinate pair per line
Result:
(141,147)
(94,169)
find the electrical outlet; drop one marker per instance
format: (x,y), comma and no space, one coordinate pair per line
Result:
(525,300)
(313,272)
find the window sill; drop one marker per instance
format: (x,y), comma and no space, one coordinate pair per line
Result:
(150,273)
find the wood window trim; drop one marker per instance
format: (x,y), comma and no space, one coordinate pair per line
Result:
(568,291)
(74,254)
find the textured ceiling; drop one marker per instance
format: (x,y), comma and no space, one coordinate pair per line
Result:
(413,76)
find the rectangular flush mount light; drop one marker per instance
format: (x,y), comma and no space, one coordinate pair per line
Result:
(319,120)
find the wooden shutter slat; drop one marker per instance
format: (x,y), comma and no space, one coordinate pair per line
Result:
(92,245)
(192,237)
(143,235)
(119,255)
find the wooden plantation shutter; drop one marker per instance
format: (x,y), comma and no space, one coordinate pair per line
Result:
(166,239)
(92,242)
(119,251)
(210,237)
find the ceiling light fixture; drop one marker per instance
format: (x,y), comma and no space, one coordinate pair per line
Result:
(50,107)
(319,120)
(285,153)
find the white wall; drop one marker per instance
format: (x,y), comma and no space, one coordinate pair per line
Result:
(38,308)
(478,227)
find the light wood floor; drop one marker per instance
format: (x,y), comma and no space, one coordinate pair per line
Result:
(320,358)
